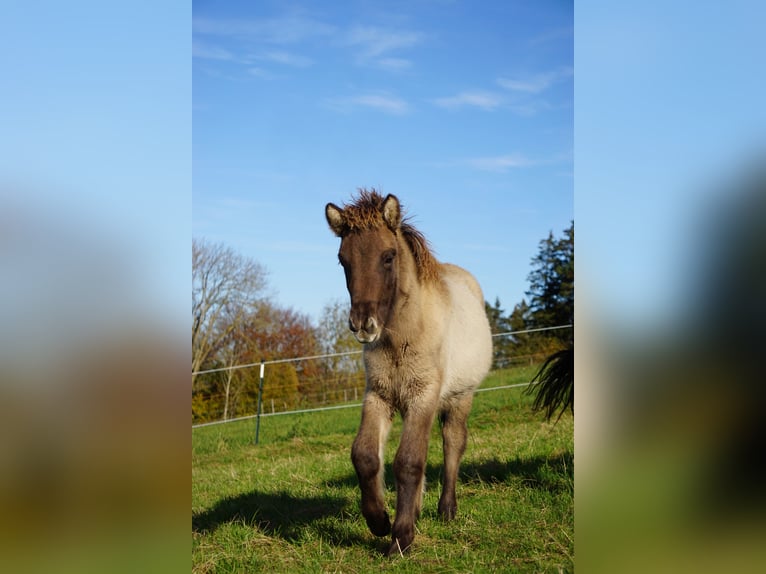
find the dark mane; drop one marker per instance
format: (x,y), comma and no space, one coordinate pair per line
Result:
(366,212)
(426,262)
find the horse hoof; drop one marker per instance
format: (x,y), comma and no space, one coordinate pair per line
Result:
(380,526)
(398,548)
(447,511)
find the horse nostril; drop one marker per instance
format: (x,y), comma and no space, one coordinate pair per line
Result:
(362,318)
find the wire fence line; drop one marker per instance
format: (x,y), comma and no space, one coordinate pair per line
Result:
(277,361)
(533,330)
(347,353)
(336,407)
(316,389)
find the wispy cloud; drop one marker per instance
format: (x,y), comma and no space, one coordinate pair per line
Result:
(379,47)
(259,73)
(494,163)
(286,59)
(210,52)
(522,95)
(476,99)
(381,102)
(213,52)
(374,46)
(505,162)
(537,83)
(233,40)
(284,30)
(500,163)
(394,64)
(378,41)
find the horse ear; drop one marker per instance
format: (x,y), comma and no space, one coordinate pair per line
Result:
(392,212)
(334,215)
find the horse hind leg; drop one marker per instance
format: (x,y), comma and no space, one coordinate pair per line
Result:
(454,438)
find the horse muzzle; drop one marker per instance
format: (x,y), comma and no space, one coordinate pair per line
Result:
(366,331)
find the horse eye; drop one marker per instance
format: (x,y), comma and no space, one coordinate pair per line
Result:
(388,257)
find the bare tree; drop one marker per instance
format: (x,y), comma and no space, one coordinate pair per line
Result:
(336,337)
(231,354)
(226,288)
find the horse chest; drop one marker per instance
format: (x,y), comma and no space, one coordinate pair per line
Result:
(400,376)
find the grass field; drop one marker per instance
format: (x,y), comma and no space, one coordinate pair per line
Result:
(291,504)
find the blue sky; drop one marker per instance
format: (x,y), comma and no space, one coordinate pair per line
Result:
(95,159)
(464,112)
(670,112)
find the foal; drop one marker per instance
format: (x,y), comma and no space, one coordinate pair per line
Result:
(427,346)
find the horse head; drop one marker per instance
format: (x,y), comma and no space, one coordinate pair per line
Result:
(369,254)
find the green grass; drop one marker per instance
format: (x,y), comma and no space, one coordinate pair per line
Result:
(291,504)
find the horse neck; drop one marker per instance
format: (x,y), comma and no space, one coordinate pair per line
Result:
(408,308)
(408,269)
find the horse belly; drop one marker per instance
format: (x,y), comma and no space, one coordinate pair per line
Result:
(467,350)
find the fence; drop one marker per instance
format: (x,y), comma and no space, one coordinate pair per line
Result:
(317,382)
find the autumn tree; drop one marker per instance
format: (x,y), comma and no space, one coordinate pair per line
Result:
(226,288)
(282,333)
(341,372)
(231,354)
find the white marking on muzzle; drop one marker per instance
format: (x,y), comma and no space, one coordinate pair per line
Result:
(369,333)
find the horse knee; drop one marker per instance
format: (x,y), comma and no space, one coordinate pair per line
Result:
(366,461)
(408,468)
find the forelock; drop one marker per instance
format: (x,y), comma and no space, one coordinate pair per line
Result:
(364,212)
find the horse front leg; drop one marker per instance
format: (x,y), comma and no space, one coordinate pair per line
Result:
(367,456)
(454,438)
(409,469)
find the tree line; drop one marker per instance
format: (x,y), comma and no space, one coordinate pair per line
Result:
(550,303)
(235,323)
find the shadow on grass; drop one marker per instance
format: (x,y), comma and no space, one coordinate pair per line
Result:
(276,514)
(280,512)
(554,474)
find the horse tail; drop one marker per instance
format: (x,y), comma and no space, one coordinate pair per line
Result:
(555,384)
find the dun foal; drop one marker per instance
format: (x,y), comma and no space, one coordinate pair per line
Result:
(427,346)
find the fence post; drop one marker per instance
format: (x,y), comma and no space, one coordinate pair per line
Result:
(260,397)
